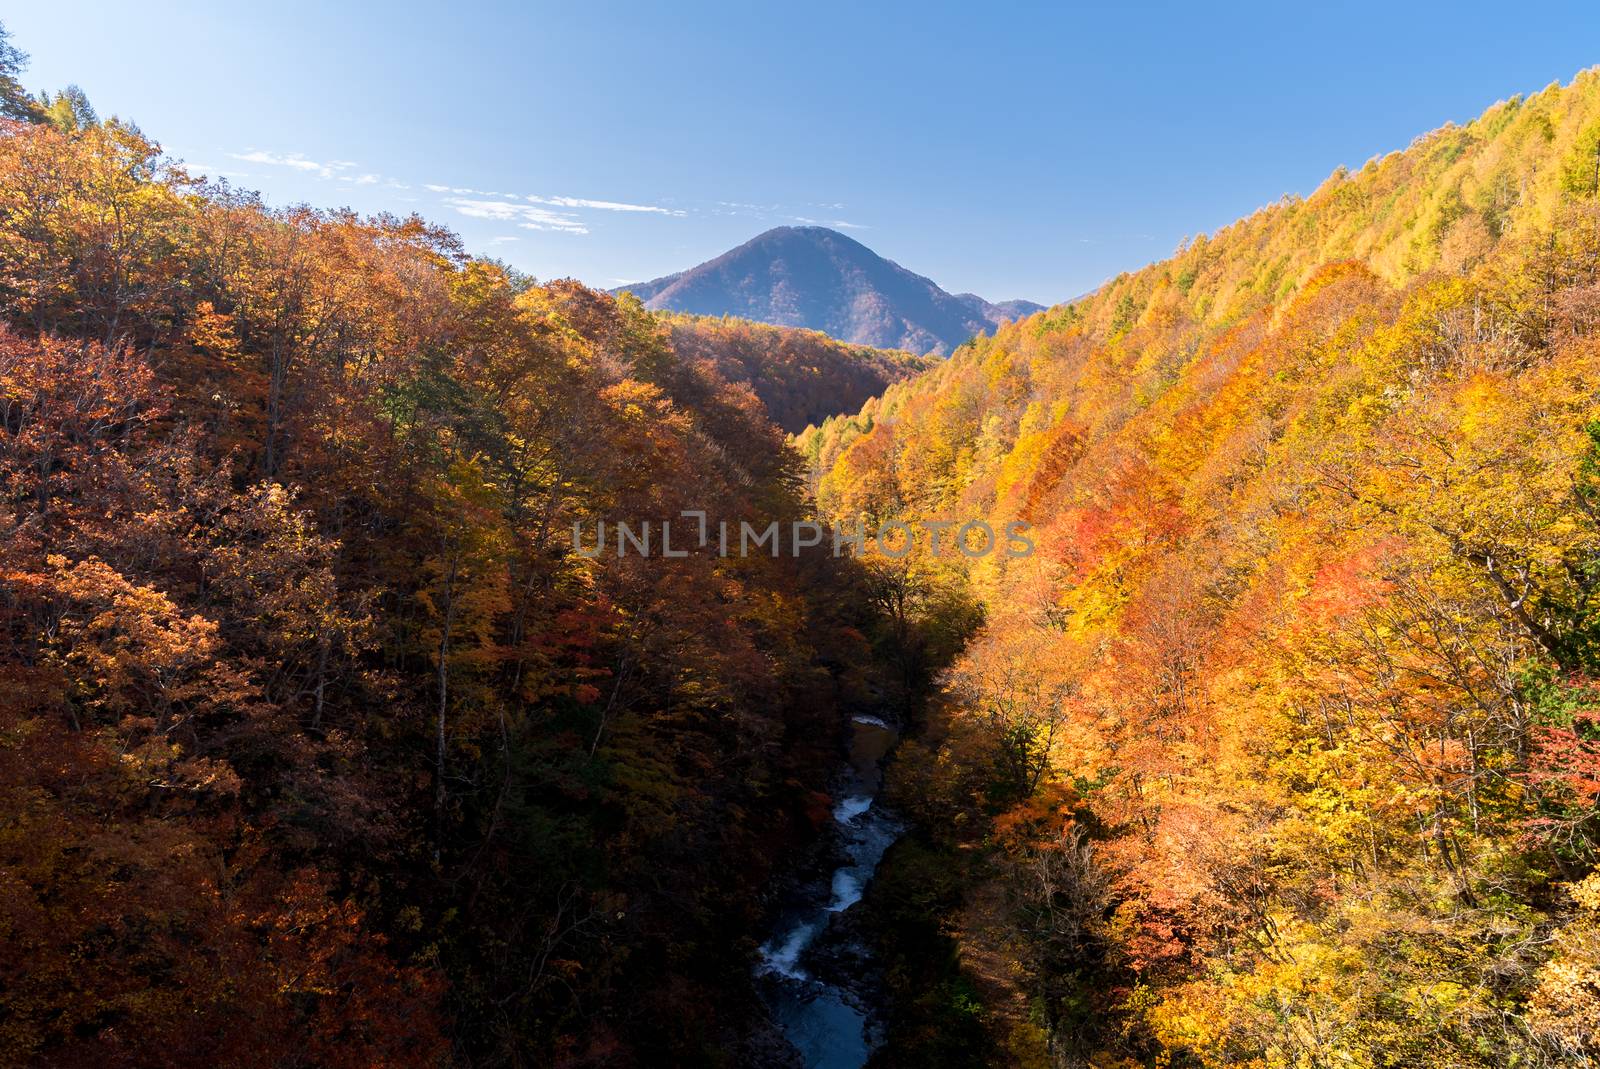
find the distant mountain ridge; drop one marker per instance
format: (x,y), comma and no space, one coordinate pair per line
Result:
(813,277)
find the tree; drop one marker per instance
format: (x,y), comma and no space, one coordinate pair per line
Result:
(113,258)
(70,111)
(1021,686)
(15,103)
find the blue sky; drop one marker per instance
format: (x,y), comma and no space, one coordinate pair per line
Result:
(1010,150)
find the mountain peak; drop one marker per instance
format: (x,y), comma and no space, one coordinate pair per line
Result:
(816,277)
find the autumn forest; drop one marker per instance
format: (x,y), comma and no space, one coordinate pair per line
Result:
(321,744)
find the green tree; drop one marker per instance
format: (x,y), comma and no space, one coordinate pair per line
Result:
(14,100)
(70,110)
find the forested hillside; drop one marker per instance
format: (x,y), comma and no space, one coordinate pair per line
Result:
(319,745)
(801,376)
(1284,748)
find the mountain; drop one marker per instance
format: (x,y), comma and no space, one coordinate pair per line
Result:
(810,276)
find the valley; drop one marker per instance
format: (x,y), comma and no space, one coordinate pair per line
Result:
(323,743)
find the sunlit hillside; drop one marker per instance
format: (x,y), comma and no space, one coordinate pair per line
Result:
(1283,749)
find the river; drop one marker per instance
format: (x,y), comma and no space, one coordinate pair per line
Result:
(822,1018)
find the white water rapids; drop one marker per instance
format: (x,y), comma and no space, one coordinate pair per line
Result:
(819,1017)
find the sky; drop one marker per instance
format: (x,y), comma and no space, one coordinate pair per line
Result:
(1010,150)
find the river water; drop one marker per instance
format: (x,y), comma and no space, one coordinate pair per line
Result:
(822,1018)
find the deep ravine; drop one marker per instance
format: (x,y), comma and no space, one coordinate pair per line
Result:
(825,1018)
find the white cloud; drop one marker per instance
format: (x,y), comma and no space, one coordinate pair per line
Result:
(502,240)
(214,172)
(526,216)
(565,226)
(785,213)
(466,191)
(295,160)
(485,209)
(531,212)
(603,205)
(837,224)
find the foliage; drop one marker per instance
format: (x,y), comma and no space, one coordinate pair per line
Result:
(1283,746)
(320,745)
(801,376)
